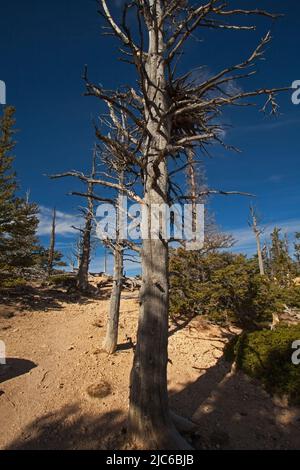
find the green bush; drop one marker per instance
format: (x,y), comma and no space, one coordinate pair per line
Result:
(12,283)
(267,355)
(225,287)
(290,296)
(63,280)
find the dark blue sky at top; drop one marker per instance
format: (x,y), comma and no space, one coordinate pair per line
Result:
(43,49)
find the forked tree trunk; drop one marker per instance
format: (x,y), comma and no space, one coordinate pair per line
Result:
(150,422)
(111,339)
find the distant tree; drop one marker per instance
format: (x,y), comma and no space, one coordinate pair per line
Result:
(86,234)
(75,253)
(281,264)
(254,224)
(41,259)
(297,250)
(51,250)
(214,239)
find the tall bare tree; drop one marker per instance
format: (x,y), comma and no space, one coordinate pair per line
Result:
(51,253)
(168,115)
(84,263)
(117,247)
(254,224)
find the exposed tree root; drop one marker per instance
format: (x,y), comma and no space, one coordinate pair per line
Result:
(183,424)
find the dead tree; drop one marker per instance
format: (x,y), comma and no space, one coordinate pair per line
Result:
(75,254)
(117,247)
(114,170)
(51,253)
(83,268)
(254,224)
(166,115)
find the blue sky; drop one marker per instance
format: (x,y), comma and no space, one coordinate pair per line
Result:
(43,50)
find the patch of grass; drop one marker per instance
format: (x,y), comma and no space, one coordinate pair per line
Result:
(267,356)
(13,282)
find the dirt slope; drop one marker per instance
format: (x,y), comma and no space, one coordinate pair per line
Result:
(60,391)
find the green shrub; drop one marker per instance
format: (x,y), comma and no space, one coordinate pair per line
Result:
(11,283)
(225,287)
(290,296)
(266,355)
(63,280)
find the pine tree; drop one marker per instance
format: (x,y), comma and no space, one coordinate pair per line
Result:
(7,176)
(18,217)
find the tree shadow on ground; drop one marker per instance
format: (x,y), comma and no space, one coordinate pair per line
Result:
(125,346)
(69,429)
(15,367)
(178,324)
(234,412)
(43,298)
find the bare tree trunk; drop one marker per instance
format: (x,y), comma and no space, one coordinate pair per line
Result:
(150,421)
(52,244)
(105,260)
(259,254)
(83,268)
(111,339)
(83,271)
(257,232)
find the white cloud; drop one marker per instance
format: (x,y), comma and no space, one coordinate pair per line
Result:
(245,241)
(64,222)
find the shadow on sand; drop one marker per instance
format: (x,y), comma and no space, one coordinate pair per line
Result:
(46,298)
(234,412)
(68,429)
(14,368)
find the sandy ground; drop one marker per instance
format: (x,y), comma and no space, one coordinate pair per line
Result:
(60,391)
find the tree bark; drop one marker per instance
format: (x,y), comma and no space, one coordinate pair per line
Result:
(84,263)
(150,422)
(111,339)
(257,233)
(151,426)
(259,254)
(83,271)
